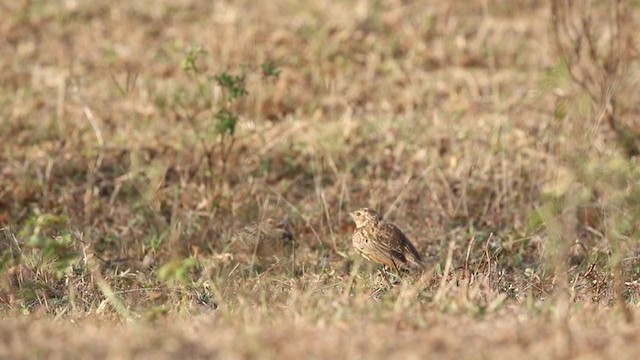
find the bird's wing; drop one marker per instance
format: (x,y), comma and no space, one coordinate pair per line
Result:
(401,246)
(373,248)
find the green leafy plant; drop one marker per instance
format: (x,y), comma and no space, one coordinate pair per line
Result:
(47,238)
(155,241)
(5,260)
(214,118)
(189,62)
(270,70)
(233,85)
(57,251)
(178,271)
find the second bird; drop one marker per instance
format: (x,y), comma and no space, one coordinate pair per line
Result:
(382,242)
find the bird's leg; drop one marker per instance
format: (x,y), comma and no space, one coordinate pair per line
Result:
(397,269)
(384,275)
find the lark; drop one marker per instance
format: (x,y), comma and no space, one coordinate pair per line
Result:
(382,242)
(267,240)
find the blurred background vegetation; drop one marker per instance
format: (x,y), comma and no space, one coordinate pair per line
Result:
(138,138)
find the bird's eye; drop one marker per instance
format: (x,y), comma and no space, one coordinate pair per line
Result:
(358,213)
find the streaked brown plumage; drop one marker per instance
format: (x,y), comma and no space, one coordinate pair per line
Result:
(268,240)
(382,242)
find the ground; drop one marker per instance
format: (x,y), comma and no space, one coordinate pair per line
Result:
(138,138)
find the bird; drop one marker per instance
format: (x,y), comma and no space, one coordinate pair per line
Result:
(267,240)
(382,242)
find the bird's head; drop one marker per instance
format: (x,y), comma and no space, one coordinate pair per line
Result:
(365,216)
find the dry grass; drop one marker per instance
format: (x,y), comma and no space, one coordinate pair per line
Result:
(590,333)
(120,189)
